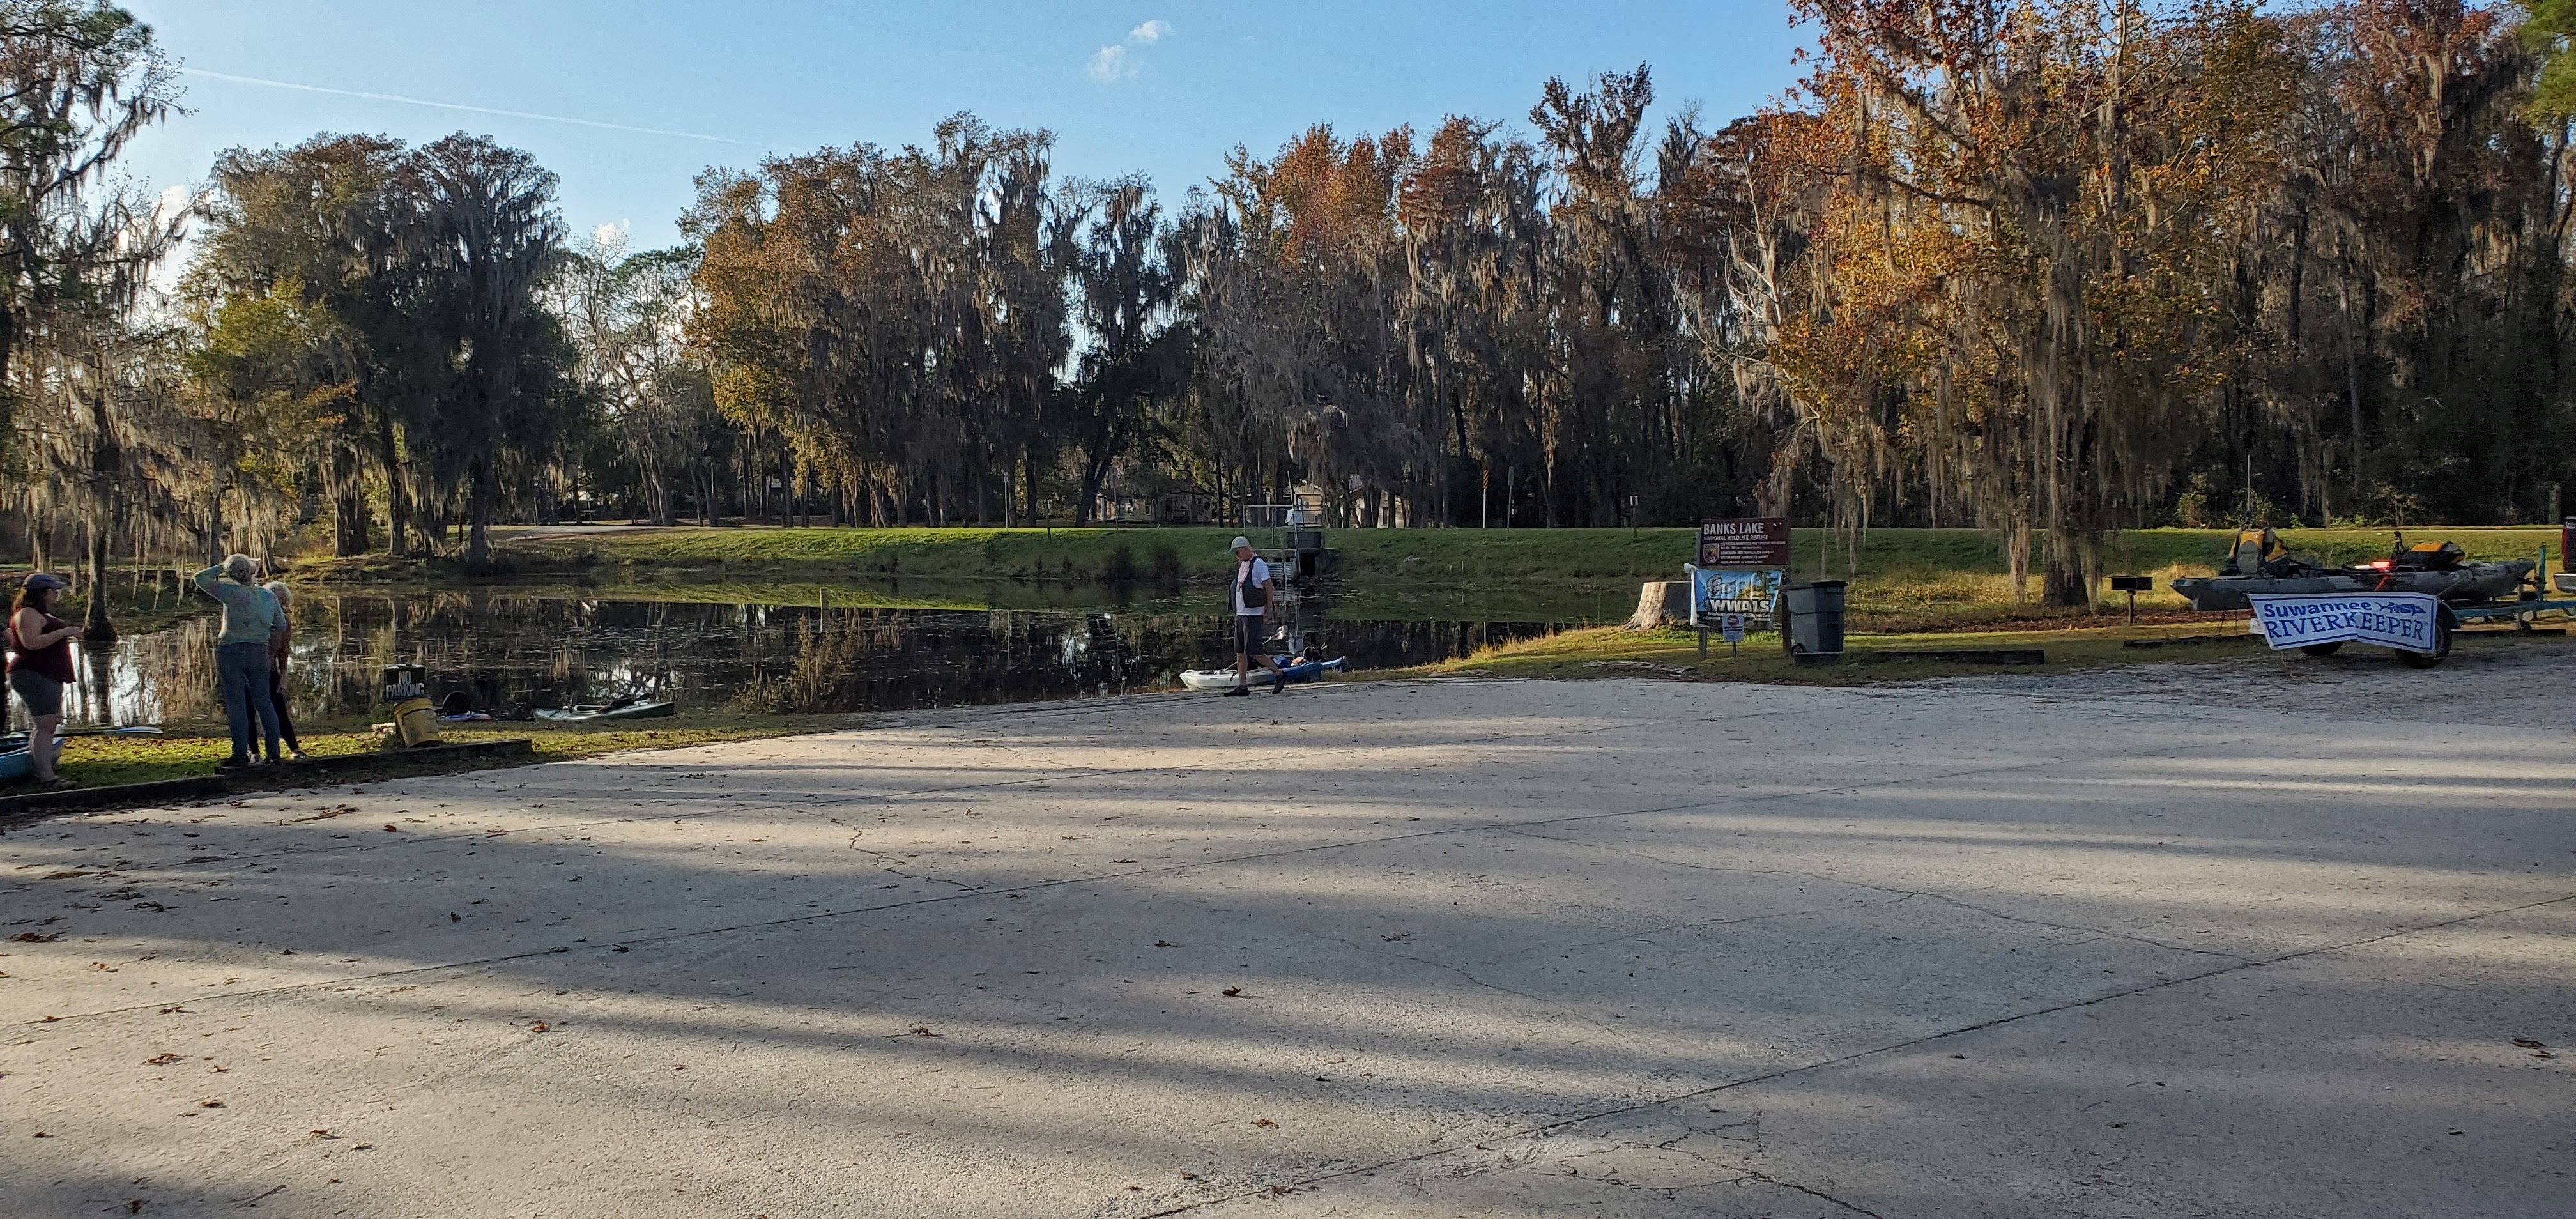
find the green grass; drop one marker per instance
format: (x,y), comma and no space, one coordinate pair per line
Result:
(101,761)
(1614,652)
(1540,554)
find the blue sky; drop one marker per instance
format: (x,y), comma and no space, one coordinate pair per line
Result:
(1166,87)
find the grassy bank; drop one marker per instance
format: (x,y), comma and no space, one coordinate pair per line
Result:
(102,761)
(1613,652)
(1903,580)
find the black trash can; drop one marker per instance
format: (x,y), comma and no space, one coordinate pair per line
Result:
(1811,621)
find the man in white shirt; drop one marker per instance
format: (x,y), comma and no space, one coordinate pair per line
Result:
(1252,592)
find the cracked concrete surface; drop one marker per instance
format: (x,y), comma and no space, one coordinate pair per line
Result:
(1457,948)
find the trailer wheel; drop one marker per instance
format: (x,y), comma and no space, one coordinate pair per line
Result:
(2441,649)
(2323,649)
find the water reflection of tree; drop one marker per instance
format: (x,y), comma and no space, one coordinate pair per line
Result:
(152,677)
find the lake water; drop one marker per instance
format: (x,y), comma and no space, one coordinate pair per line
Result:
(512,650)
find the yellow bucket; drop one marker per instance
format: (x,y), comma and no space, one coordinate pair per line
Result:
(417,721)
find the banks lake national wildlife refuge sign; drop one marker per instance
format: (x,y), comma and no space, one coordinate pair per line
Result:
(1755,541)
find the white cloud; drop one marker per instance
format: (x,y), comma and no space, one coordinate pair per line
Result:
(1110,65)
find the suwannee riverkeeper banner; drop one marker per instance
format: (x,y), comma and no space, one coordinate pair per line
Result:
(2300,620)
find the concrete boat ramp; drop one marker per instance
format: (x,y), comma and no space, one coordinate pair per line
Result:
(2146,946)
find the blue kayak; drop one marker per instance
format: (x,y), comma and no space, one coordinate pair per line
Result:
(18,763)
(1223,679)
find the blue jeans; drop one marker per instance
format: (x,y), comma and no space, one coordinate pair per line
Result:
(243,668)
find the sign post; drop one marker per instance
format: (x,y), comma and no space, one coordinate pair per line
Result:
(2133,585)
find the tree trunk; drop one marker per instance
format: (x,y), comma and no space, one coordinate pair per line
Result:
(1029,464)
(95,627)
(397,497)
(1095,472)
(2017,553)
(478,514)
(348,504)
(214,525)
(2065,584)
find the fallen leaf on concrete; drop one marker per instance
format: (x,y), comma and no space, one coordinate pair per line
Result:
(1263,1121)
(2525,1042)
(539,1027)
(134,1206)
(1282,1191)
(323,1134)
(29,937)
(210,1103)
(1162,943)
(2542,1054)
(1396,937)
(42,1135)
(918,1030)
(161,1060)
(172,1011)
(1232,992)
(364,1147)
(1189,1176)
(393,829)
(454,917)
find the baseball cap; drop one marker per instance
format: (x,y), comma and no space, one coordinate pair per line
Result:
(1240,542)
(43,580)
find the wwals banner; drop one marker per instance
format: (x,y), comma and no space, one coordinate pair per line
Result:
(1716,592)
(2299,620)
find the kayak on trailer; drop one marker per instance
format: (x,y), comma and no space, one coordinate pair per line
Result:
(580,713)
(2261,564)
(1223,679)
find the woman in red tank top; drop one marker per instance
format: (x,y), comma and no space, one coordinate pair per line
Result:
(40,665)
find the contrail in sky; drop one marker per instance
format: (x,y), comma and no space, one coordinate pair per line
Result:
(416,101)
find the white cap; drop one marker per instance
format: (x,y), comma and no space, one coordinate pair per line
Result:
(1241,541)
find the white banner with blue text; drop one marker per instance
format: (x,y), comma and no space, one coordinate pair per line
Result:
(2404,621)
